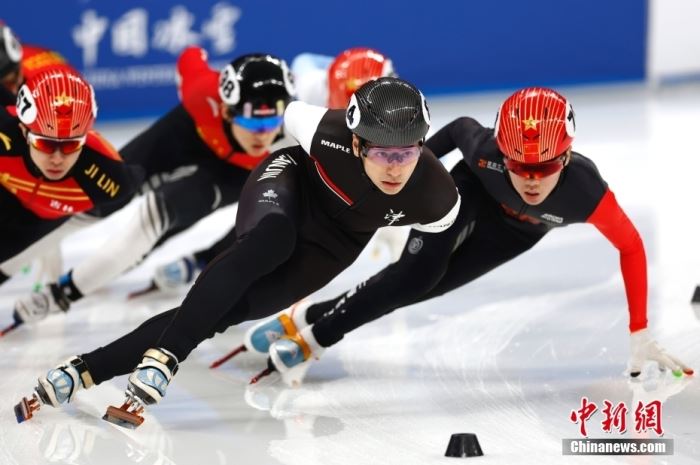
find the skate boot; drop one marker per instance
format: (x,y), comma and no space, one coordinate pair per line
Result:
(41,303)
(57,387)
(259,337)
(172,276)
(177,274)
(147,386)
(291,356)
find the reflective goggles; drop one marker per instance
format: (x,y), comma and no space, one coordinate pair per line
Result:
(388,155)
(266,124)
(535,170)
(49,145)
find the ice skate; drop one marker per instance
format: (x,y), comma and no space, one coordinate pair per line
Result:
(171,277)
(259,337)
(147,386)
(291,357)
(57,387)
(40,304)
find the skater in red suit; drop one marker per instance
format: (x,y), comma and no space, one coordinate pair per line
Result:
(19,62)
(53,167)
(305,214)
(518,181)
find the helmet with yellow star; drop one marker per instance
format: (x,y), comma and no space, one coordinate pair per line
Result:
(535,125)
(351,69)
(57,103)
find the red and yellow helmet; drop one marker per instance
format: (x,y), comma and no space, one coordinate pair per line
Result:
(535,125)
(351,69)
(58,103)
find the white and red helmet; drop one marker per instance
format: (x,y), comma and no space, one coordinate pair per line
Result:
(535,125)
(351,69)
(58,103)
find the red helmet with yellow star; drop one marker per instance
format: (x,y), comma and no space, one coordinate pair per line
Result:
(535,125)
(351,69)
(57,103)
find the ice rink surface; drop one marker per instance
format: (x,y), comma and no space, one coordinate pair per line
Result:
(507,357)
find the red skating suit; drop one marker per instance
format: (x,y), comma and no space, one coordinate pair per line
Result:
(198,88)
(31,205)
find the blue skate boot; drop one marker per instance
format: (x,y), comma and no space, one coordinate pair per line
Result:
(172,276)
(259,337)
(177,274)
(58,386)
(147,386)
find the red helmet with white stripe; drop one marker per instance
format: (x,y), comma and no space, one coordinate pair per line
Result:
(535,125)
(57,103)
(351,69)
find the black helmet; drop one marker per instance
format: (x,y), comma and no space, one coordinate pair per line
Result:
(388,111)
(10,51)
(256,85)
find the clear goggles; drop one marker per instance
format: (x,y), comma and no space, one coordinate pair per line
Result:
(384,155)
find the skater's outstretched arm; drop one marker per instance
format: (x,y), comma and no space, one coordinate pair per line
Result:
(614,224)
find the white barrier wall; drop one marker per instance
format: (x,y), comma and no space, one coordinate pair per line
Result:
(674,40)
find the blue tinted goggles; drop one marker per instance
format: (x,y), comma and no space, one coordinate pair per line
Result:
(266,124)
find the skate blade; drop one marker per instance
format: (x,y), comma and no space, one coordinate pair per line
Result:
(25,409)
(143,292)
(10,328)
(120,417)
(217,363)
(266,372)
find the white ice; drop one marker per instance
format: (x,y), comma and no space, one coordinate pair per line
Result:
(507,357)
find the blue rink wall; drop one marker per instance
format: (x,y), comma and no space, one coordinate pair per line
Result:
(127,49)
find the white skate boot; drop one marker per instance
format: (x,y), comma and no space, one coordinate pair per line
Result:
(259,337)
(147,386)
(57,387)
(40,304)
(291,357)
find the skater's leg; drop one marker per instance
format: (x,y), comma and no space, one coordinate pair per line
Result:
(122,355)
(207,255)
(267,238)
